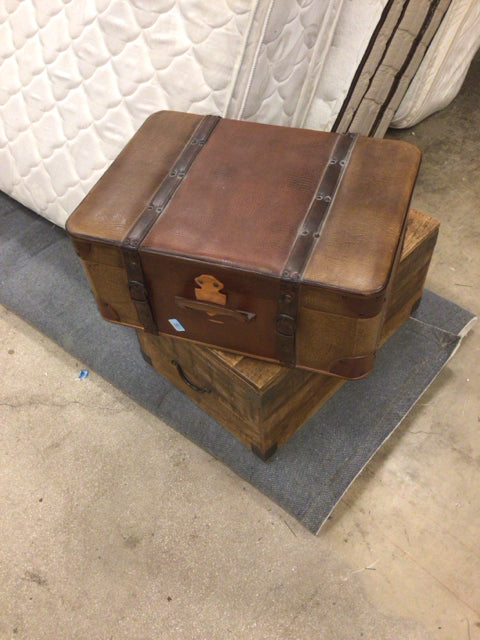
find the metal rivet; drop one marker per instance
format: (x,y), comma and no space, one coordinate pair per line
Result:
(319,196)
(159,210)
(342,163)
(305,232)
(316,235)
(287,298)
(173,173)
(295,275)
(333,161)
(286,274)
(328,199)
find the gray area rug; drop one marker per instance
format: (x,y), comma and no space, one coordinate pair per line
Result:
(41,280)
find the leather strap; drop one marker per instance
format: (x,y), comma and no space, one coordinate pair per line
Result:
(131,244)
(308,234)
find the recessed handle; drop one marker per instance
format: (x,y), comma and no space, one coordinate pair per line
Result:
(187,380)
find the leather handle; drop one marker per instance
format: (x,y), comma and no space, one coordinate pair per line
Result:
(214,309)
(187,380)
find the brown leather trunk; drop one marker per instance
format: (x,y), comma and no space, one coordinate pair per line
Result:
(264,404)
(269,241)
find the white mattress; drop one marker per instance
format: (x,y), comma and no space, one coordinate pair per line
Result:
(77,79)
(445,65)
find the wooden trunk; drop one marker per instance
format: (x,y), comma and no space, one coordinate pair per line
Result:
(273,242)
(263,404)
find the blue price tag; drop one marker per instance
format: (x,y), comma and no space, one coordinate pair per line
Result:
(176,324)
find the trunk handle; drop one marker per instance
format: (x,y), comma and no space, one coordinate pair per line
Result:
(187,380)
(213,309)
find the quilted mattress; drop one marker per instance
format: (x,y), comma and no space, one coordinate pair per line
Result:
(78,78)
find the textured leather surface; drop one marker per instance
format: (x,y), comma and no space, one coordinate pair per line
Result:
(111,208)
(361,234)
(244,199)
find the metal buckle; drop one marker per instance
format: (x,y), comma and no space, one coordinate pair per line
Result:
(285,325)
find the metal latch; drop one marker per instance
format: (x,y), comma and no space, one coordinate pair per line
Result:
(285,325)
(138,291)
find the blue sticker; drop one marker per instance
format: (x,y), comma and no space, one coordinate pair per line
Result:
(176,324)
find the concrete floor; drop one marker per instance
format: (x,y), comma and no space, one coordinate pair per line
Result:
(113,526)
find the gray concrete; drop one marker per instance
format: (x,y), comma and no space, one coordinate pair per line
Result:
(113,526)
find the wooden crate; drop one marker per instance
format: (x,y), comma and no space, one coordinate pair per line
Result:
(264,404)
